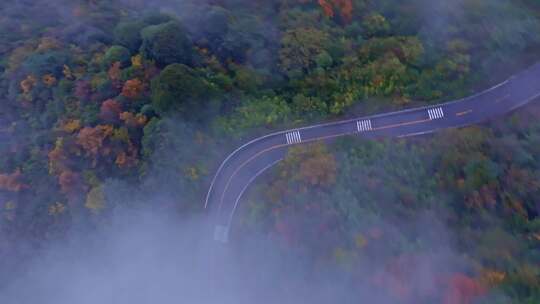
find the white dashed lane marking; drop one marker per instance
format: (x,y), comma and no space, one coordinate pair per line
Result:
(221,233)
(293,137)
(435,113)
(364,125)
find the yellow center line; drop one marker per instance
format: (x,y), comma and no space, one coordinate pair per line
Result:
(266,150)
(304,141)
(402,124)
(464,113)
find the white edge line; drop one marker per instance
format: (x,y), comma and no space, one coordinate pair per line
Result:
(345,122)
(245,188)
(402,136)
(525,102)
(416,134)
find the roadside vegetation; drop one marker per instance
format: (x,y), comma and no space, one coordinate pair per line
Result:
(98,99)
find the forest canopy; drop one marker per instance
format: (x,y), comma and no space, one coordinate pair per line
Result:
(108,104)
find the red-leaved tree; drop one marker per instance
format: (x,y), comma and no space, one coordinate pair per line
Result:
(109,110)
(343,7)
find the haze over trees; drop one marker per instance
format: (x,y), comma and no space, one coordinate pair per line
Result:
(119,105)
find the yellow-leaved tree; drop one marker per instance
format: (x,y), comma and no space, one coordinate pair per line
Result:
(95,200)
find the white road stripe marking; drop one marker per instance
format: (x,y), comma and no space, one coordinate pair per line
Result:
(293,137)
(224,162)
(221,233)
(435,113)
(364,125)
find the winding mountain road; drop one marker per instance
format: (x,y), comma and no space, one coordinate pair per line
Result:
(242,166)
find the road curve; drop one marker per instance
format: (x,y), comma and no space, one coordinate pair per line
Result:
(242,166)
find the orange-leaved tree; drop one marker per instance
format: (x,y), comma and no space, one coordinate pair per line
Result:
(11,182)
(92,140)
(133,88)
(343,7)
(310,166)
(133,121)
(462,289)
(109,110)
(71,185)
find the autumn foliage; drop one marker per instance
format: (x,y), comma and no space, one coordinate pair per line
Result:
(140,102)
(319,170)
(126,159)
(317,167)
(83,89)
(462,289)
(133,88)
(58,158)
(11,182)
(28,83)
(454,288)
(333,7)
(109,110)
(92,140)
(71,184)
(49,80)
(71,125)
(114,73)
(133,121)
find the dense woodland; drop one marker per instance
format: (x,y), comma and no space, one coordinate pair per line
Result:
(114,105)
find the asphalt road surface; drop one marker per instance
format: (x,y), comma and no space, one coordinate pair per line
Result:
(242,166)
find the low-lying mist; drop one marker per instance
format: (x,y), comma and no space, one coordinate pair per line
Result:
(152,257)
